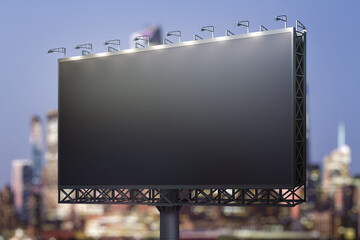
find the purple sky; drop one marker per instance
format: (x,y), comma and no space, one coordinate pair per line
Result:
(28,76)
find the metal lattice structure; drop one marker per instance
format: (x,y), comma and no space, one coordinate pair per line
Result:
(219,196)
(185,197)
(300,107)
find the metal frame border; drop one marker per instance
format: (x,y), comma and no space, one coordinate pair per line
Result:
(288,197)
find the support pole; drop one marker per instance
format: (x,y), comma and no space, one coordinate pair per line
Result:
(169,216)
(169,222)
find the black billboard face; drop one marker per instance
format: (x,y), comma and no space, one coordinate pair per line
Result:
(210,113)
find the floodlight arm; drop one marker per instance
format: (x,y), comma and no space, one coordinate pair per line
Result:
(176,33)
(282,18)
(60,50)
(209,29)
(245,23)
(262,28)
(113,42)
(197,37)
(144,38)
(166,41)
(137,45)
(300,25)
(111,49)
(84,52)
(86,46)
(228,33)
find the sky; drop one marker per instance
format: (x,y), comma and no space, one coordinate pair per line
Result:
(28,75)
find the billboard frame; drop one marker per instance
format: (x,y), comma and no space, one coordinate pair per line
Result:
(214,196)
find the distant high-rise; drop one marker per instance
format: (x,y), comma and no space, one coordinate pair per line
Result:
(357,201)
(336,165)
(21,186)
(314,187)
(7,211)
(50,193)
(36,142)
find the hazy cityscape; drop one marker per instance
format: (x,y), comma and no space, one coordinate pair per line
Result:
(29,208)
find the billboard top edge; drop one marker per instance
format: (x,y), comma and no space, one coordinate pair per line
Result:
(181,44)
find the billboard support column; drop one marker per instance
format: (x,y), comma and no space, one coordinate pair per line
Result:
(169,217)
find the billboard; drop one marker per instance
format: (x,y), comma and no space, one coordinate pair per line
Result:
(212,113)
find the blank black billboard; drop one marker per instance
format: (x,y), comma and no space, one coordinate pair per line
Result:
(207,113)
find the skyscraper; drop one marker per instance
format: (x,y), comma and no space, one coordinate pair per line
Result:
(36,143)
(336,165)
(21,186)
(50,170)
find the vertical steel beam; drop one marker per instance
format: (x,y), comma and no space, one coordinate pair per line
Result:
(169,216)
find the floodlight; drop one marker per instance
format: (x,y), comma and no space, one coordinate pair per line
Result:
(60,50)
(262,28)
(209,29)
(300,25)
(245,23)
(197,37)
(176,33)
(281,18)
(86,46)
(145,38)
(113,42)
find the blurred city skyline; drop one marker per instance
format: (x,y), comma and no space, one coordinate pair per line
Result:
(29,76)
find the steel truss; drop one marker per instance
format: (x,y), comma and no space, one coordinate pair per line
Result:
(219,196)
(300,107)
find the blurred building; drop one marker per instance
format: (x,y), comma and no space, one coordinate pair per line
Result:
(21,186)
(7,210)
(323,223)
(153,32)
(50,175)
(36,142)
(313,186)
(34,215)
(356,207)
(349,211)
(126,222)
(35,203)
(336,166)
